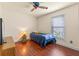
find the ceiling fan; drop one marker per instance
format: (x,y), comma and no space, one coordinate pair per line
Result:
(37,5)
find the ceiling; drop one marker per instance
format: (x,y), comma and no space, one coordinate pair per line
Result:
(52,6)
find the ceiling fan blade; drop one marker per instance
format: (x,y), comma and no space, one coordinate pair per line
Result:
(43,7)
(32,9)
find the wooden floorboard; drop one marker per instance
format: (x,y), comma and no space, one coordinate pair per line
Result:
(30,48)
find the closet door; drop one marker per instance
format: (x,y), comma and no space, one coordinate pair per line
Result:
(0,31)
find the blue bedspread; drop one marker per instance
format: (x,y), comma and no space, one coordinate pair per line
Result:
(48,36)
(42,39)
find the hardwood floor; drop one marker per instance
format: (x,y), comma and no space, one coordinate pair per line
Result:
(30,48)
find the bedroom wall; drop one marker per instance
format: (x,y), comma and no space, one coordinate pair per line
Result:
(71,25)
(0,10)
(16,18)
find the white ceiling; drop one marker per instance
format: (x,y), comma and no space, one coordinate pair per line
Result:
(52,6)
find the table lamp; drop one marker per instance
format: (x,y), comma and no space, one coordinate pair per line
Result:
(22,36)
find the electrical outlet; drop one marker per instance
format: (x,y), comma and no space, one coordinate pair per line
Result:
(71,42)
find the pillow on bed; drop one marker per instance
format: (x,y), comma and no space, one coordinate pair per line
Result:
(37,33)
(43,33)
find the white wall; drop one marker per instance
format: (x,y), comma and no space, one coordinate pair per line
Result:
(16,18)
(71,25)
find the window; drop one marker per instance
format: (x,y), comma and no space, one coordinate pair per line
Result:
(58,26)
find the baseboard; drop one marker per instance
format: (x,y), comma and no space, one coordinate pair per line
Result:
(77,49)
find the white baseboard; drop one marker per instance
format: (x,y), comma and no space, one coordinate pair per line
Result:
(74,48)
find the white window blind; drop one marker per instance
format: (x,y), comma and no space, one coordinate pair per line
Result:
(58,26)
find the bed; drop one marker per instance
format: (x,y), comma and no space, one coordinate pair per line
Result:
(42,39)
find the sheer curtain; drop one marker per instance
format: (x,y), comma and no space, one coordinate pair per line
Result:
(58,26)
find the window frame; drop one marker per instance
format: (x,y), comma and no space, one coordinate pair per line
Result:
(52,30)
